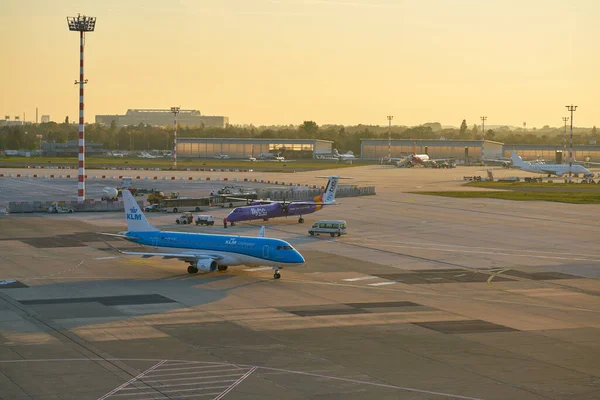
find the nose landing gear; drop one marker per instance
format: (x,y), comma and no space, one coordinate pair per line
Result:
(276,275)
(300,220)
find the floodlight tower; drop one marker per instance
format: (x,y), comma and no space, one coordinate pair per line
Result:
(483,142)
(175,111)
(81,24)
(390,118)
(572,109)
(565,119)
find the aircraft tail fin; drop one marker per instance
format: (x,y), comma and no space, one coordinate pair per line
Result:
(330,189)
(516,160)
(261,233)
(136,220)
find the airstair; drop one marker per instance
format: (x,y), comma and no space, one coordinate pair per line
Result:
(405,162)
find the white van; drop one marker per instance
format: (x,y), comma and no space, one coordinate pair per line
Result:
(333,227)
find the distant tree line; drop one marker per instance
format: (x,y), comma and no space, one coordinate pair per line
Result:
(146,137)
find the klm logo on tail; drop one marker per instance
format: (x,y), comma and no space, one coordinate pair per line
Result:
(133,215)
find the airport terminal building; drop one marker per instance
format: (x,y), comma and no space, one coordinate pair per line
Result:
(246,147)
(375,149)
(155,117)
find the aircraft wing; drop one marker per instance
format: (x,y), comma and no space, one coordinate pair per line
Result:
(548,171)
(117,235)
(586,163)
(182,256)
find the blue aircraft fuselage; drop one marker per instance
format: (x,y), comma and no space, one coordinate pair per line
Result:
(229,250)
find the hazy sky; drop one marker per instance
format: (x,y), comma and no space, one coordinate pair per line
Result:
(286,61)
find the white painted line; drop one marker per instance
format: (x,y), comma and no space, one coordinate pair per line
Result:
(106,258)
(234,384)
(187,395)
(133,380)
(187,379)
(257,269)
(189,368)
(184,384)
(170,391)
(190,373)
(362,278)
(382,283)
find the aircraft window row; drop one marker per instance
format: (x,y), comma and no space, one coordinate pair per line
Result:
(242,245)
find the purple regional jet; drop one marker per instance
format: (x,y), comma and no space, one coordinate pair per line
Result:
(267,209)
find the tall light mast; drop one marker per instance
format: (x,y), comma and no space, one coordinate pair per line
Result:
(81,24)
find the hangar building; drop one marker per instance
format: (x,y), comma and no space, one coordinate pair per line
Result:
(246,147)
(376,149)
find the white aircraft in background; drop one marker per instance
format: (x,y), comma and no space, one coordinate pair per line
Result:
(222,156)
(343,157)
(145,154)
(549,169)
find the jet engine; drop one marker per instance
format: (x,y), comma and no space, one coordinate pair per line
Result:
(207,265)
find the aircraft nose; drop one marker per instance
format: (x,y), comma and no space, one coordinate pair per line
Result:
(299,259)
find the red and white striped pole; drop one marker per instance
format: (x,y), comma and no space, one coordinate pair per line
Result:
(81,157)
(81,24)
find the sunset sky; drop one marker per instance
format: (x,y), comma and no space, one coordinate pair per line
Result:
(286,61)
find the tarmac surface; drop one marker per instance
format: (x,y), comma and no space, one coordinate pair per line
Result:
(425,298)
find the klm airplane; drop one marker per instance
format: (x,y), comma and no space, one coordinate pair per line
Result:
(205,252)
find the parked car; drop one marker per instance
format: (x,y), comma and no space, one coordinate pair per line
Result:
(205,220)
(155,208)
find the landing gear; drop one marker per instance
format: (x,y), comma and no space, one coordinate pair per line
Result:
(300,220)
(222,267)
(276,275)
(192,270)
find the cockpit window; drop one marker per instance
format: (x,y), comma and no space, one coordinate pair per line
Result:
(288,248)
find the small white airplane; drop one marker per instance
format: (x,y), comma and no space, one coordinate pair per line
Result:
(222,156)
(145,154)
(118,155)
(549,169)
(349,155)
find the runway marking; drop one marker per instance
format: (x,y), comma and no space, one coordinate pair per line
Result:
(188,373)
(253,368)
(106,258)
(476,252)
(362,278)
(257,269)
(129,382)
(428,292)
(473,247)
(234,384)
(182,384)
(382,283)
(489,280)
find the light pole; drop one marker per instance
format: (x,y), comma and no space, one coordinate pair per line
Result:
(39,138)
(565,119)
(572,109)
(175,111)
(81,24)
(390,118)
(483,142)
